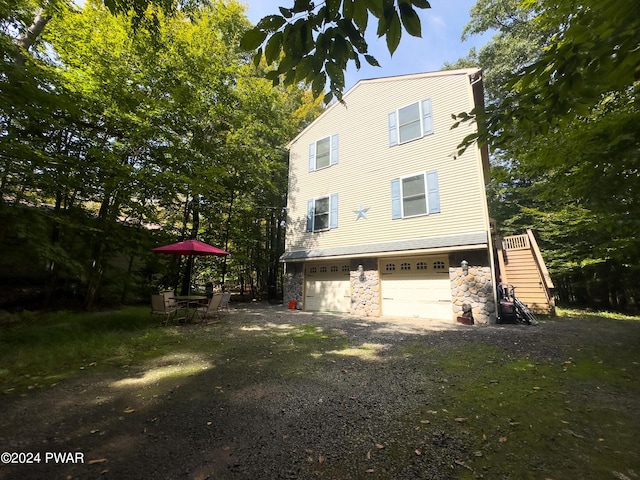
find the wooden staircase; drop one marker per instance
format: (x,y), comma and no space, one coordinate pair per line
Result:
(521,265)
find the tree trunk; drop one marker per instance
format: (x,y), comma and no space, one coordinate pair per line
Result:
(226,239)
(195,211)
(28,38)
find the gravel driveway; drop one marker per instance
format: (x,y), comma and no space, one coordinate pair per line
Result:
(260,405)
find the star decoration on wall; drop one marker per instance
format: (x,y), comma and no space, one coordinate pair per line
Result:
(361,212)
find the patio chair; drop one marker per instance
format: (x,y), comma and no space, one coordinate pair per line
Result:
(170,298)
(210,309)
(224,304)
(159,306)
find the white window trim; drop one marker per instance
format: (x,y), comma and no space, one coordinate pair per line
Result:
(421,113)
(333,152)
(333,213)
(426,194)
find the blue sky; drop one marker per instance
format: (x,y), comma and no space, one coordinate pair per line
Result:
(442,26)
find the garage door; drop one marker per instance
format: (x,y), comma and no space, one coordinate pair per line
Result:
(416,287)
(327,287)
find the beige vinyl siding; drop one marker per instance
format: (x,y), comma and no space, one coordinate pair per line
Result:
(367,165)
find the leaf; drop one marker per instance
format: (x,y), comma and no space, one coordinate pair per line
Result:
(271,23)
(360,15)
(371,61)
(347,9)
(257,57)
(273,48)
(376,7)
(301,6)
(318,84)
(502,439)
(332,8)
(286,12)
(460,419)
(394,32)
(410,20)
(421,3)
(252,39)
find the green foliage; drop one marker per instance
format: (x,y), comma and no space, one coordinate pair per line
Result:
(170,126)
(314,42)
(561,121)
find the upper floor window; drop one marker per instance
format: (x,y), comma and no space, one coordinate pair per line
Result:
(323,152)
(410,122)
(415,195)
(322,213)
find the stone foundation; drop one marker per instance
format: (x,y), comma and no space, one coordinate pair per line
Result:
(293,287)
(365,293)
(474,289)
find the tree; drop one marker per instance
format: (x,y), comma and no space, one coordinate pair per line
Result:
(569,173)
(314,42)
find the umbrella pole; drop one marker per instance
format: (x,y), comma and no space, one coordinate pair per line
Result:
(186,282)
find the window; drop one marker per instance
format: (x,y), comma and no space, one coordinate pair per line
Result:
(322,213)
(421,266)
(345,269)
(414,198)
(323,153)
(439,265)
(415,195)
(405,266)
(323,269)
(334,268)
(410,122)
(390,267)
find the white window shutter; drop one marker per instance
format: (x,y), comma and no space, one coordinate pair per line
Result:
(312,156)
(310,211)
(393,129)
(333,211)
(334,149)
(433,191)
(396,201)
(427,117)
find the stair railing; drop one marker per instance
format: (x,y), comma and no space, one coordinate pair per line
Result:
(547,283)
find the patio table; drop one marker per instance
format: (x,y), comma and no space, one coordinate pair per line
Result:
(189,303)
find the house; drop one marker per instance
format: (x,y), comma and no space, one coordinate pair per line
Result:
(384,216)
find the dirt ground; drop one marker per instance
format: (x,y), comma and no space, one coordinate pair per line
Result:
(253,409)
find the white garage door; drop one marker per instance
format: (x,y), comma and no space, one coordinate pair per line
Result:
(416,287)
(327,287)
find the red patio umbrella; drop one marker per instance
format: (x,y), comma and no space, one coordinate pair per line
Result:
(190,248)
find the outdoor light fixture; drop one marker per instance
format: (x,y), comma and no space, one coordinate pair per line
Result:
(465,267)
(361,272)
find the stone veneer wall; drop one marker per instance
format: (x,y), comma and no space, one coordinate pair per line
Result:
(293,287)
(474,289)
(365,291)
